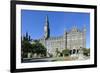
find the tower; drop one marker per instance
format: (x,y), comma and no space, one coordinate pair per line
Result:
(65,39)
(46,29)
(84,36)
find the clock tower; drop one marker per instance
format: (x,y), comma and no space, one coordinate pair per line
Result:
(46,29)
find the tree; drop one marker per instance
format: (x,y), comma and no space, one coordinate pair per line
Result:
(26,46)
(32,48)
(38,48)
(86,51)
(66,52)
(57,52)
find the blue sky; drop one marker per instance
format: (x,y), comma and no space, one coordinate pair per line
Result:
(33,22)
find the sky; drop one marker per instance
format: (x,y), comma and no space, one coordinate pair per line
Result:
(33,22)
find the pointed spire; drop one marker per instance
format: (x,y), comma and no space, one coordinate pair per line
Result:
(47,22)
(75,27)
(46,28)
(64,30)
(46,18)
(29,38)
(26,34)
(84,27)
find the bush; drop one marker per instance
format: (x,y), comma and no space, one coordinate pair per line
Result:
(66,52)
(86,51)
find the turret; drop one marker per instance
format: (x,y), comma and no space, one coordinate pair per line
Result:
(65,38)
(84,36)
(84,28)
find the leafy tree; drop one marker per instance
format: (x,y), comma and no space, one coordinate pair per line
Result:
(26,46)
(66,52)
(38,48)
(86,51)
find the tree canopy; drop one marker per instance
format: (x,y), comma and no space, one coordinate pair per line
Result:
(28,47)
(66,52)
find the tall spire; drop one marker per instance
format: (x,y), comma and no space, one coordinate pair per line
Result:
(74,29)
(46,18)
(47,22)
(65,31)
(46,29)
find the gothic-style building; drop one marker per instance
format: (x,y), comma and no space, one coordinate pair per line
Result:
(74,40)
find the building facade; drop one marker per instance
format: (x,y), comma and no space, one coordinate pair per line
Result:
(73,40)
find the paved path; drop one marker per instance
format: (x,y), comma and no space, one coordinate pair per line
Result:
(51,59)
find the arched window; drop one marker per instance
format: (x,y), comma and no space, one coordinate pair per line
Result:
(74,51)
(77,51)
(70,52)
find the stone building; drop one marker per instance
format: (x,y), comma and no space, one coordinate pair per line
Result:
(73,40)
